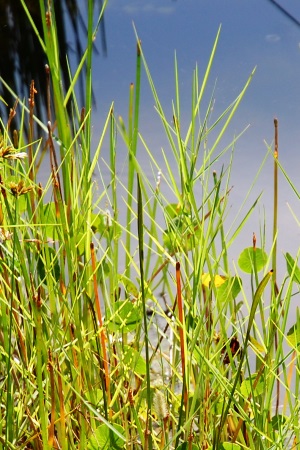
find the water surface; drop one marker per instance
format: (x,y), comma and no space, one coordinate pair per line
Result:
(254,33)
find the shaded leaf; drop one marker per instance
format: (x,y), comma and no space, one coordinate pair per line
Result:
(104,438)
(229,289)
(187,446)
(247,386)
(182,232)
(22,203)
(229,446)
(52,266)
(134,361)
(291,266)
(171,210)
(129,286)
(171,241)
(126,317)
(80,242)
(49,219)
(278,421)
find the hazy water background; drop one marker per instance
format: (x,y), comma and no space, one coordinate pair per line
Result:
(254,33)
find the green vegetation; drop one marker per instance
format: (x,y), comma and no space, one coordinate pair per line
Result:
(123,324)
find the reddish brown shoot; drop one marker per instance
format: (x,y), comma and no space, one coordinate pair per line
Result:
(181,324)
(100,321)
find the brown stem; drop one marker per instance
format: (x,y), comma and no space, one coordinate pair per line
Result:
(181,332)
(100,321)
(52,386)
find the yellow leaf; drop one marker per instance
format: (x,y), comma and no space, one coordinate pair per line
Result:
(206,279)
(257,345)
(219,280)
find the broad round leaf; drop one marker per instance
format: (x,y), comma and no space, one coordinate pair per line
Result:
(229,446)
(187,446)
(126,318)
(129,285)
(104,438)
(251,260)
(278,421)
(229,289)
(49,219)
(52,265)
(134,361)
(248,384)
(172,210)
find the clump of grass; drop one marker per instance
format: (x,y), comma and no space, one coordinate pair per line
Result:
(172,352)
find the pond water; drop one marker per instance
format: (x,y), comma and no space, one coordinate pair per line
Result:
(254,33)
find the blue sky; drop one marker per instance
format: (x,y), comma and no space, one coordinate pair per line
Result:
(254,33)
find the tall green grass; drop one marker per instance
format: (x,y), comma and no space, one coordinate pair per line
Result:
(177,351)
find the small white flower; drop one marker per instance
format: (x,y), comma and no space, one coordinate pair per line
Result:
(158,180)
(108,218)
(20,155)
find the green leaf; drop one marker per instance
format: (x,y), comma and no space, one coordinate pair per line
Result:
(104,224)
(104,438)
(129,286)
(171,210)
(126,317)
(278,421)
(229,289)
(292,267)
(251,259)
(80,242)
(185,238)
(52,266)
(49,219)
(169,239)
(247,386)
(187,446)
(257,296)
(259,292)
(229,446)
(134,361)
(293,335)
(95,221)
(22,203)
